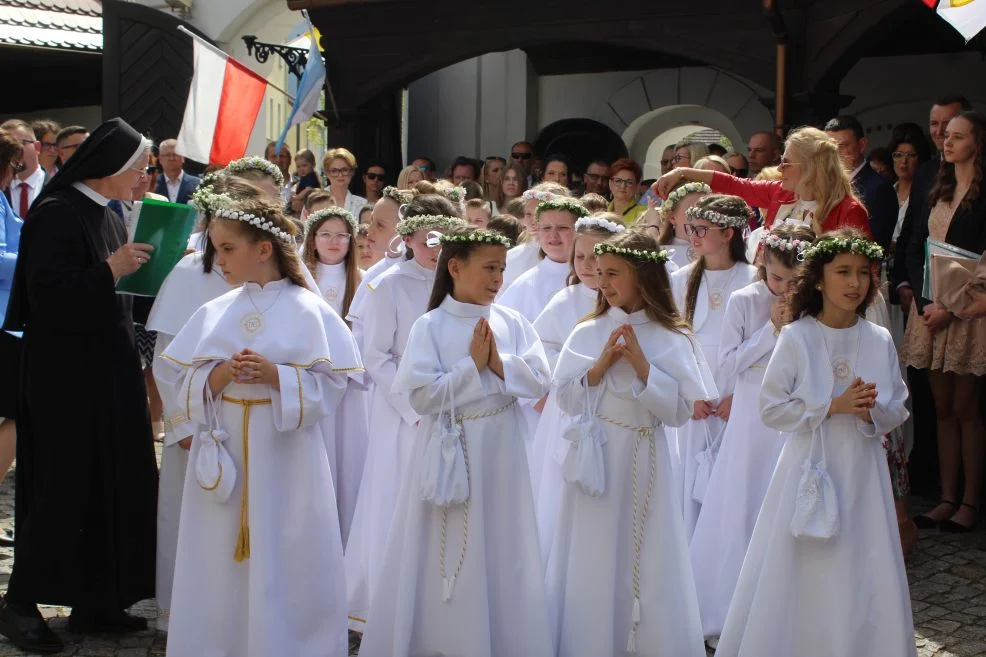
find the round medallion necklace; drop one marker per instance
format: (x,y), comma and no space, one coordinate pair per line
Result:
(717,296)
(253,323)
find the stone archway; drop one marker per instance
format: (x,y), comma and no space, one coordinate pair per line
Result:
(581,141)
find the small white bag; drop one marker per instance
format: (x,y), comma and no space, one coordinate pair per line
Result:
(444,478)
(816,509)
(706,460)
(214,467)
(584,465)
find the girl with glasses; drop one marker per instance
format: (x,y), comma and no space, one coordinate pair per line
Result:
(701,289)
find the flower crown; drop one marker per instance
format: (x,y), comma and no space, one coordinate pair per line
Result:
(641,255)
(674,198)
(254,163)
(398,196)
(332,212)
(535,195)
(252,219)
(772,241)
(207,200)
(455,194)
(422,221)
(561,203)
(478,236)
(599,222)
(717,218)
(833,246)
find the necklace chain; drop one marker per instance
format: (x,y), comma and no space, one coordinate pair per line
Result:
(254,304)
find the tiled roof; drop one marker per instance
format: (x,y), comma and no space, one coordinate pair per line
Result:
(63,24)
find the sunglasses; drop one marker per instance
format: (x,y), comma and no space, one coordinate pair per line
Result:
(522,156)
(152,170)
(375,176)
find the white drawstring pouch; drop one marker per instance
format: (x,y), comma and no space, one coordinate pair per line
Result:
(816,508)
(444,478)
(583,465)
(215,471)
(706,460)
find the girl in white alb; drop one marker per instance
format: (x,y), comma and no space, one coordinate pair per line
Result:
(701,290)
(259,568)
(824,573)
(619,578)
(329,253)
(674,212)
(392,306)
(553,326)
(527,255)
(462,574)
(749,450)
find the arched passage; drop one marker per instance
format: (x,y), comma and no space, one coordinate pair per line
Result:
(581,140)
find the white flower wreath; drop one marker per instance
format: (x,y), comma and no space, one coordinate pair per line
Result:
(254,163)
(642,255)
(562,204)
(398,196)
(413,224)
(477,237)
(772,241)
(535,195)
(833,246)
(674,198)
(717,218)
(599,222)
(254,220)
(332,212)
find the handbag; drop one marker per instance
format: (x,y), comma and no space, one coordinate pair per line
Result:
(214,467)
(583,465)
(444,478)
(706,460)
(816,507)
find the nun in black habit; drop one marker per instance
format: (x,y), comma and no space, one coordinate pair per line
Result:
(86,482)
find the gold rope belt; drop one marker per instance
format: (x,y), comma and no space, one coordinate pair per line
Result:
(242,552)
(448,583)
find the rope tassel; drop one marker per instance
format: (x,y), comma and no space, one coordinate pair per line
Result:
(635,621)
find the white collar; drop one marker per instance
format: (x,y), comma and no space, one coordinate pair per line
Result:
(617,314)
(855,172)
(175,181)
(337,270)
(586,291)
(91,193)
(277,285)
(460,309)
(412,269)
(553,267)
(34,181)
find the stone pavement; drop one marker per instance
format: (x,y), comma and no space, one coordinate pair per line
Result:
(947,574)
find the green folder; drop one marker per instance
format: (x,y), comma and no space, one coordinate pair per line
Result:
(167,227)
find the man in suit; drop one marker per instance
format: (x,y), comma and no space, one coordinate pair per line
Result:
(30,178)
(173,182)
(874,191)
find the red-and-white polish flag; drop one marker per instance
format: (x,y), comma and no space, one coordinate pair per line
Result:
(223,104)
(966,16)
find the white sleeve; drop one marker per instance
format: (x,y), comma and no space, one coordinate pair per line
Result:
(663,395)
(889,411)
(526,374)
(788,401)
(306,396)
(379,313)
(737,351)
(177,423)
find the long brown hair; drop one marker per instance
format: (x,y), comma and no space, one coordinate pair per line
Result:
(731,206)
(309,256)
(667,213)
(945,182)
(285,253)
(444,285)
(240,190)
(806,299)
(653,283)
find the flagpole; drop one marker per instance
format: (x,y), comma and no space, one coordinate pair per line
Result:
(219,51)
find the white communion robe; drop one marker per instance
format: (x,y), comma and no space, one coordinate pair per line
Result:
(394,303)
(845,595)
(553,326)
(519,259)
(355,316)
(682,253)
(346,437)
(598,606)
(498,605)
(183,292)
(746,459)
(699,439)
(287,596)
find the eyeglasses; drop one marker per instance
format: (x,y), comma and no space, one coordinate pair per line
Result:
(700,231)
(787,163)
(70,147)
(900,155)
(372,176)
(665,162)
(141,172)
(339,171)
(679,158)
(594,177)
(26,142)
(48,146)
(623,182)
(152,170)
(522,156)
(333,237)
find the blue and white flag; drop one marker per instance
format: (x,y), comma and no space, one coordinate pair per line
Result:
(309,91)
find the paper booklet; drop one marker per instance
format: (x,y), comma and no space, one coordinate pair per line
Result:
(166,226)
(948,270)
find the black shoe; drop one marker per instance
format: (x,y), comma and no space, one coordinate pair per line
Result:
(951,527)
(924,522)
(29,632)
(110,622)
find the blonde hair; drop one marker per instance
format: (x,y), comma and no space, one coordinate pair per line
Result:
(696,151)
(708,160)
(405,174)
(339,154)
(822,175)
(769,173)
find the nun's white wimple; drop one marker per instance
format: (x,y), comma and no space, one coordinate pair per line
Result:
(144,146)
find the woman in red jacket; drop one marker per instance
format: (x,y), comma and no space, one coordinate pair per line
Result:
(814,189)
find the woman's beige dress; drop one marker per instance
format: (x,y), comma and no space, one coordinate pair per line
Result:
(960,347)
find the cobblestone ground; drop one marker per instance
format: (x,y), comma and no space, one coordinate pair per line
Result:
(947,575)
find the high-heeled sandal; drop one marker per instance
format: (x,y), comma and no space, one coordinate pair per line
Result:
(925,522)
(951,527)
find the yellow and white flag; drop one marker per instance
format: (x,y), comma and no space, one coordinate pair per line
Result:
(966,16)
